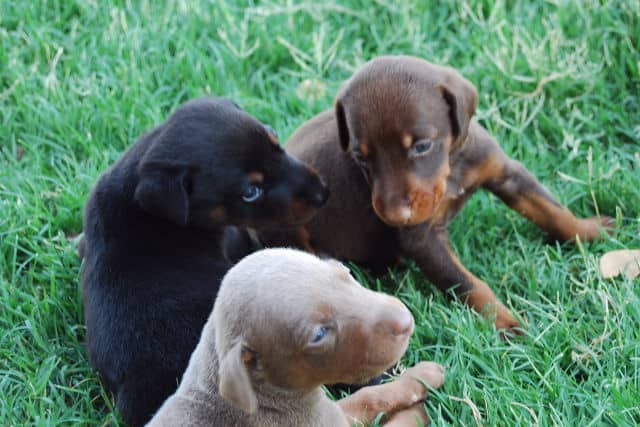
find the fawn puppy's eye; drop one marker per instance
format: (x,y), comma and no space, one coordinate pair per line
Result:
(252,193)
(319,334)
(420,148)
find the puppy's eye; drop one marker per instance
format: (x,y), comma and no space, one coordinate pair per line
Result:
(252,193)
(359,158)
(319,334)
(420,148)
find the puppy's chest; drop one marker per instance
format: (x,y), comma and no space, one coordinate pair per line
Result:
(456,195)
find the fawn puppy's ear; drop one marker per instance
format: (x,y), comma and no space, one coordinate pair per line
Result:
(234,383)
(163,191)
(343,130)
(462,98)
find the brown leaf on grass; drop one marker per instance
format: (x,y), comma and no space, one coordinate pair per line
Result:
(625,261)
(19,153)
(474,409)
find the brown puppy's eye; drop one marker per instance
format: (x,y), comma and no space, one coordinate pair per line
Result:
(420,148)
(359,158)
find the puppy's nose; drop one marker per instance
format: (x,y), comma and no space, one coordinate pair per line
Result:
(401,322)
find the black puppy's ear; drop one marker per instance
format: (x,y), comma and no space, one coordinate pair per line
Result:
(462,98)
(163,192)
(343,130)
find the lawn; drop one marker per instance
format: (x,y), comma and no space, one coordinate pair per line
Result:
(559,86)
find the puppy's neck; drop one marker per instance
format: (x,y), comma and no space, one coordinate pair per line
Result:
(297,407)
(282,400)
(276,406)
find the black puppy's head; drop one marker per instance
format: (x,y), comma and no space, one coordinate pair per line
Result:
(211,164)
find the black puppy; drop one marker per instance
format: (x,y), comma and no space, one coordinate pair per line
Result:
(153,240)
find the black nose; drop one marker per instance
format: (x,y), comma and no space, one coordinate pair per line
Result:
(320,196)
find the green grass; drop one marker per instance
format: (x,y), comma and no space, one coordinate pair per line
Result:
(559,87)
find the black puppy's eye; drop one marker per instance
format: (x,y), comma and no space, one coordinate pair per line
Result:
(252,193)
(420,148)
(319,334)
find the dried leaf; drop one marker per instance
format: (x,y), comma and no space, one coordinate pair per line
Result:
(625,261)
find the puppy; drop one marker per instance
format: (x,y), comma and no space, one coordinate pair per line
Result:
(153,240)
(284,323)
(402,156)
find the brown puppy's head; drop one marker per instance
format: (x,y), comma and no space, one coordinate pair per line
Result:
(212,164)
(400,117)
(293,321)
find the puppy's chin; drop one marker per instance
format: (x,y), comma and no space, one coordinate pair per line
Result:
(300,213)
(408,223)
(375,366)
(302,220)
(366,375)
(407,220)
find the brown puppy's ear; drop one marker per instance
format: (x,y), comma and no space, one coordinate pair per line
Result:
(235,385)
(343,130)
(163,192)
(462,98)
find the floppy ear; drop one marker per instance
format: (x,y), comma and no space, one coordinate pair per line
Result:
(343,130)
(462,98)
(235,385)
(162,191)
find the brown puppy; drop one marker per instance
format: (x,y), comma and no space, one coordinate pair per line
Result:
(401,157)
(284,323)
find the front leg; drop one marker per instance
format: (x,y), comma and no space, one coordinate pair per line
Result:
(409,417)
(429,246)
(402,394)
(522,192)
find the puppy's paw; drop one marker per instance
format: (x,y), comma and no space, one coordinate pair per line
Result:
(430,373)
(506,323)
(595,227)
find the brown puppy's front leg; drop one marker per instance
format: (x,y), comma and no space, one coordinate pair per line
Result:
(522,192)
(409,417)
(429,246)
(402,394)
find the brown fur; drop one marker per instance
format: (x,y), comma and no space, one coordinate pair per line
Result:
(258,364)
(389,200)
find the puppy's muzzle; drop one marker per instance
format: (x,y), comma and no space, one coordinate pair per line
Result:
(409,207)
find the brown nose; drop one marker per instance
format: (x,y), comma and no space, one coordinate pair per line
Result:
(398,321)
(392,213)
(403,323)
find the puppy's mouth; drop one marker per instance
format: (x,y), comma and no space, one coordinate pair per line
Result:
(300,212)
(372,370)
(416,208)
(381,358)
(406,216)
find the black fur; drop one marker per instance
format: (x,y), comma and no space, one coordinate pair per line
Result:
(153,241)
